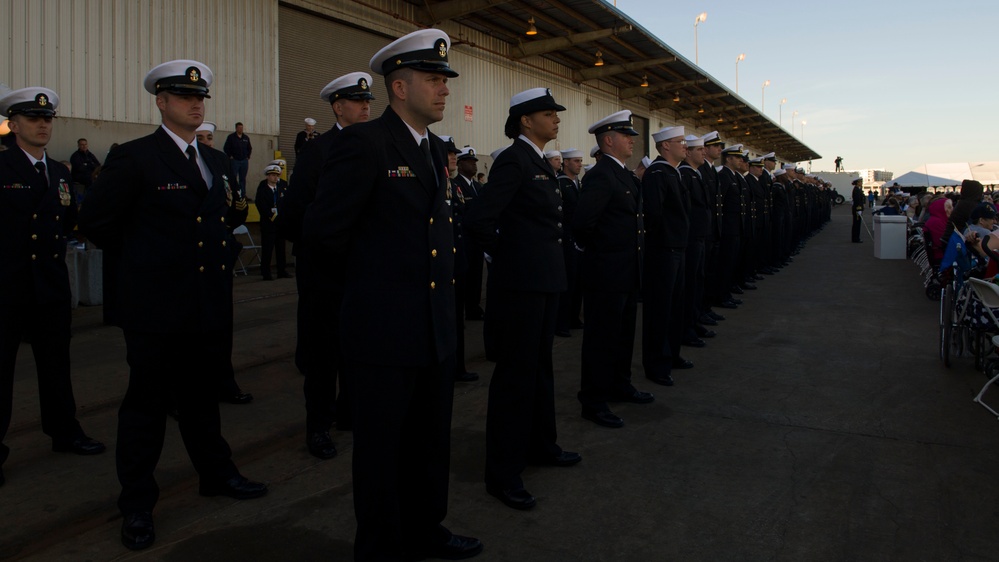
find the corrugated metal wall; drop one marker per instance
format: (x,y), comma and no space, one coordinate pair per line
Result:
(95,53)
(314,51)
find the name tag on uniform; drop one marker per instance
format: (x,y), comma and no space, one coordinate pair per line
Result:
(401,172)
(541,177)
(17,186)
(170,187)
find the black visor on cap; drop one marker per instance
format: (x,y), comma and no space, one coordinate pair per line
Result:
(186,85)
(621,127)
(450,146)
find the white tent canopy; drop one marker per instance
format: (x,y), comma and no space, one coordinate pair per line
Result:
(917,178)
(948,174)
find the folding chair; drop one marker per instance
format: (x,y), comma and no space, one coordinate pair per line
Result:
(988,293)
(249,245)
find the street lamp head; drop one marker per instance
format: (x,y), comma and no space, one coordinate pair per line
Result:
(742,56)
(767,83)
(700,17)
(803,122)
(783,101)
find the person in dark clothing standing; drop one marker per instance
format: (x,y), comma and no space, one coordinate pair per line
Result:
(269,192)
(474,258)
(84,163)
(306,136)
(238,148)
(456,199)
(700,228)
(37,213)
(666,204)
(713,146)
(857,208)
(167,191)
(609,226)
(319,275)
(518,221)
(730,186)
(382,194)
(571,301)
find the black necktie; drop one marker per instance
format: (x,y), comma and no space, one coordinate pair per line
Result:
(425,147)
(40,166)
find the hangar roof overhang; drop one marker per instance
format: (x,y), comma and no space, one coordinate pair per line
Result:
(570,32)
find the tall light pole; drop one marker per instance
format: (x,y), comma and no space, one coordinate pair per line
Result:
(780,112)
(740,58)
(700,17)
(763,97)
(793,115)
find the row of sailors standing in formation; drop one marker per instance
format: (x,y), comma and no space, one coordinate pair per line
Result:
(384,242)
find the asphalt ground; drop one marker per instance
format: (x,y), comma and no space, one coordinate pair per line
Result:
(819,425)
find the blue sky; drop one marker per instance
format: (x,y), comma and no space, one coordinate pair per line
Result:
(888,85)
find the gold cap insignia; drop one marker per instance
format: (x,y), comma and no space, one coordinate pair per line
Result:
(194,74)
(42,100)
(442,48)
(363,83)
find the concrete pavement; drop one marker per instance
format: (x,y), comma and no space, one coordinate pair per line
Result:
(818,425)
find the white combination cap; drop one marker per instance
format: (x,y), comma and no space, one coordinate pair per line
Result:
(182,77)
(425,50)
(353,86)
(622,122)
(34,101)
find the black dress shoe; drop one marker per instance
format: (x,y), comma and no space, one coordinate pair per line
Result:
(665,380)
(758,277)
(565,458)
(747,286)
(707,320)
(517,498)
(320,445)
(735,289)
(238,487)
(693,342)
(716,316)
(239,398)
(727,304)
(563,333)
(735,301)
(285,275)
(681,363)
(466,377)
(137,530)
(703,332)
(635,397)
(605,418)
(456,548)
(82,445)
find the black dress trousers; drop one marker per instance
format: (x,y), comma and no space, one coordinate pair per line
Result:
(170,369)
